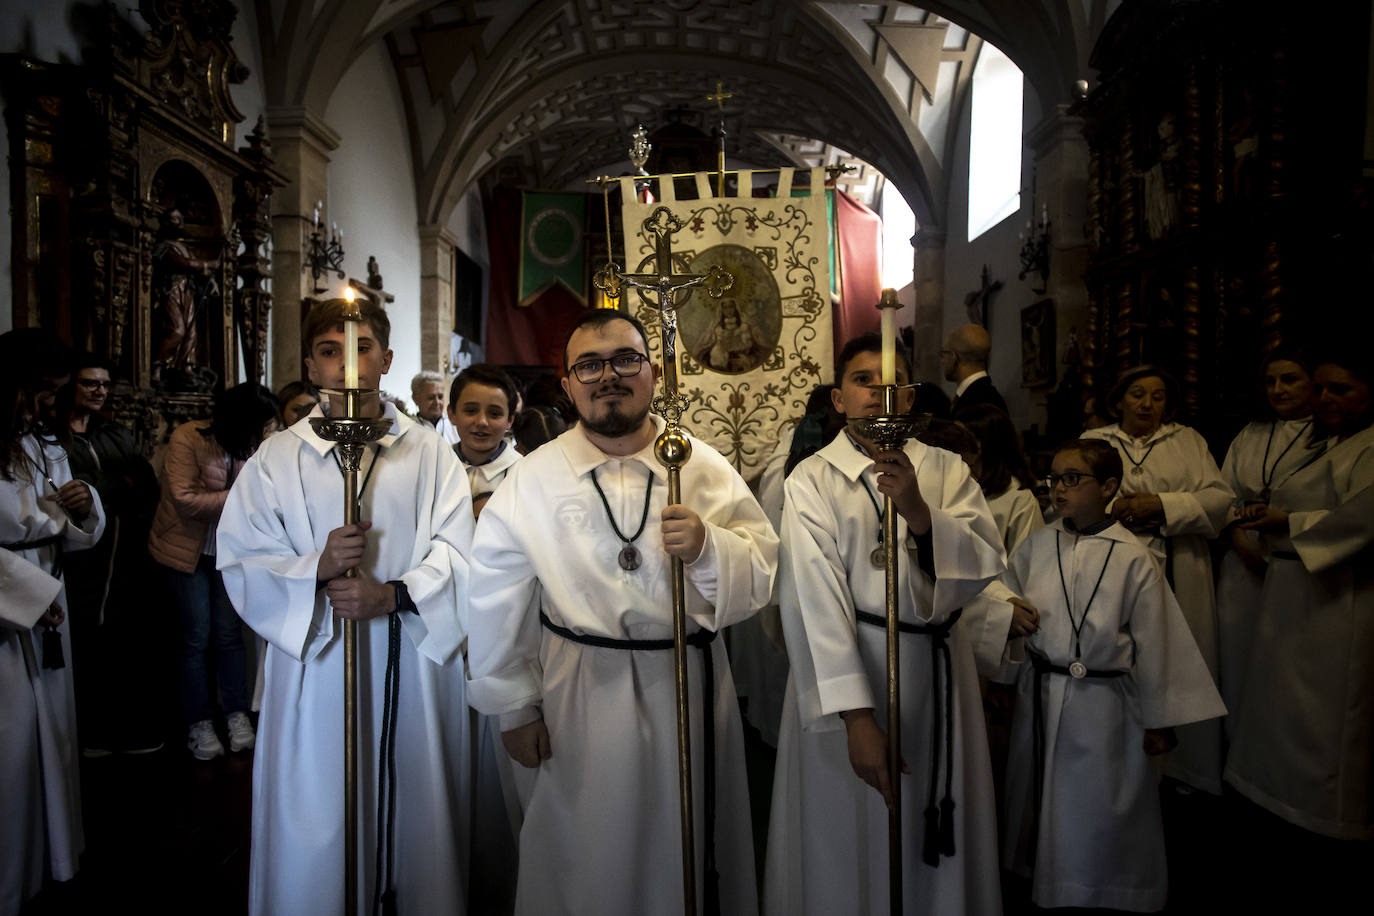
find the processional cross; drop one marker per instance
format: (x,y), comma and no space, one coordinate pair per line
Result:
(672,448)
(660,288)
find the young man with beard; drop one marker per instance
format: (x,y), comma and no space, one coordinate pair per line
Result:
(572,635)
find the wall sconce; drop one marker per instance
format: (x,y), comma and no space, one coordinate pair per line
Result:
(1035,250)
(323,255)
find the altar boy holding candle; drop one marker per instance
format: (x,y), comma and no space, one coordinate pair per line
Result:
(827,848)
(283,551)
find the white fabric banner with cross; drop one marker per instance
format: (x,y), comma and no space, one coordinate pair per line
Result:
(749,360)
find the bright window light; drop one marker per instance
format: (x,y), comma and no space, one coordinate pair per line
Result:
(899,225)
(994,149)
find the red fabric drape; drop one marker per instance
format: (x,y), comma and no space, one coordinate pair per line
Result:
(859,234)
(516,336)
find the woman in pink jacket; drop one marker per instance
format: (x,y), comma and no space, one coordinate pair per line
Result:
(202,460)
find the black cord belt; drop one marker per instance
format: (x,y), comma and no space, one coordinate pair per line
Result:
(50,540)
(939,819)
(1043,666)
(701,639)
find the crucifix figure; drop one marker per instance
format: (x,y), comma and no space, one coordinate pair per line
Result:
(979,301)
(660,288)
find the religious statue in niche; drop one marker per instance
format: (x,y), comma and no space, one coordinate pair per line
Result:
(739,332)
(183,286)
(1162,180)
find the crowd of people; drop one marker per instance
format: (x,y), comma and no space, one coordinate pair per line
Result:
(1066,640)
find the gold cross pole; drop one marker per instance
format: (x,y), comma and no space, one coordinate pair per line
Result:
(719,97)
(672,449)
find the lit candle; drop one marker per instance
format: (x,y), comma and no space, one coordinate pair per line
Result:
(318,204)
(888,308)
(350,347)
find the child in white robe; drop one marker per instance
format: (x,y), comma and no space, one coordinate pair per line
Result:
(481,411)
(283,550)
(828,831)
(1110,669)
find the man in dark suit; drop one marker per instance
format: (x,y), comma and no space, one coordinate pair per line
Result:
(965,362)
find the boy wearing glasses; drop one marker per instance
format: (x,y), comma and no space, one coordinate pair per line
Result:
(831,790)
(572,635)
(1109,671)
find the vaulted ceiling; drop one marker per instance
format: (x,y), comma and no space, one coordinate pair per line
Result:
(549,89)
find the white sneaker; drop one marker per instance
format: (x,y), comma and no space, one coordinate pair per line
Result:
(241,737)
(203,742)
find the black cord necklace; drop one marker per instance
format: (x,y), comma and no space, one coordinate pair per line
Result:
(1136,469)
(1266,472)
(879,556)
(1076,667)
(629,558)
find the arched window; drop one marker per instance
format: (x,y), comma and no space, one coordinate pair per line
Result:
(994,147)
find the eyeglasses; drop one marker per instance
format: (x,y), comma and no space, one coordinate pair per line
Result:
(92,384)
(1069,479)
(624,365)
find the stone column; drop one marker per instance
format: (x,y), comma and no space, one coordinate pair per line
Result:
(929,249)
(301,143)
(437,245)
(1061,170)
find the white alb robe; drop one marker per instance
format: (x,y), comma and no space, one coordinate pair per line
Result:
(279,513)
(40,793)
(987,618)
(1174,464)
(1261,451)
(1303,744)
(501,787)
(601,828)
(827,838)
(758,660)
(1101,836)
(1017,514)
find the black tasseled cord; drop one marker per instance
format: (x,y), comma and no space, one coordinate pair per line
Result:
(384,896)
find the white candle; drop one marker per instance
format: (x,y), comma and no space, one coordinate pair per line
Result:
(350,354)
(889,328)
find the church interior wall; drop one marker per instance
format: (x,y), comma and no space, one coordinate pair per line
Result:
(372,198)
(999,249)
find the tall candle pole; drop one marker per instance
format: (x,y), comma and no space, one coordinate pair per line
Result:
(351,432)
(888,431)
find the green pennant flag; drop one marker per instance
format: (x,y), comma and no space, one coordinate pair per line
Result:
(552,249)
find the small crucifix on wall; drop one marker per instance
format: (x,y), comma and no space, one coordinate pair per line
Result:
(979,302)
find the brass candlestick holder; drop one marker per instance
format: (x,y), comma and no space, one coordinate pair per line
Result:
(350,433)
(889,431)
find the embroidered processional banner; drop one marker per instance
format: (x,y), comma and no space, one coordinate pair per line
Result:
(749,360)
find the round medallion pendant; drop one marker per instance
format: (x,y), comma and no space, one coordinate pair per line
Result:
(1137,471)
(878,557)
(1077,669)
(629,558)
(1264,495)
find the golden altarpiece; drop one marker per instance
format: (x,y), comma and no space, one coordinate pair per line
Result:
(140,232)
